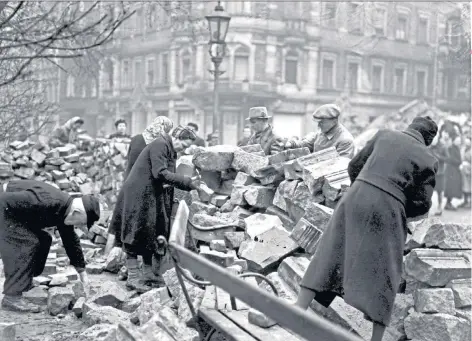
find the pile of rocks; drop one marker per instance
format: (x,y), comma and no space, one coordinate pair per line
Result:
(96,167)
(438,294)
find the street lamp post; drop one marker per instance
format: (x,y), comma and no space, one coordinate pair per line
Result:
(218,23)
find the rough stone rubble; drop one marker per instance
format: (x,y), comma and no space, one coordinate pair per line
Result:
(265,214)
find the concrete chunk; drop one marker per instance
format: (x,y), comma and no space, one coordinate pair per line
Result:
(259,196)
(436,327)
(462,290)
(437,300)
(59,300)
(216,158)
(449,236)
(260,223)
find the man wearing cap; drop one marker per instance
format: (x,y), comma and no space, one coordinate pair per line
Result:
(263,131)
(331,133)
(27,207)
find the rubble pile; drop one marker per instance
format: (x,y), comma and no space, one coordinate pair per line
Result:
(93,168)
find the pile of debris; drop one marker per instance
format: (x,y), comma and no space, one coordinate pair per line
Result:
(95,168)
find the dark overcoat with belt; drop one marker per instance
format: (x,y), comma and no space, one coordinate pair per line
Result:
(26,209)
(144,200)
(360,253)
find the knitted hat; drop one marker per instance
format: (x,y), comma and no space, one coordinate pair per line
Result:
(426,127)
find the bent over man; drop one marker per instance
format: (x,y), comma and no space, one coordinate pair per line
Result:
(26,208)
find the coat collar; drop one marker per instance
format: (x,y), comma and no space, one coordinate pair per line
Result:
(330,134)
(415,134)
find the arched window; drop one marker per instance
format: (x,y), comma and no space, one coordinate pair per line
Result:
(93,90)
(291,67)
(186,65)
(84,91)
(70,89)
(241,63)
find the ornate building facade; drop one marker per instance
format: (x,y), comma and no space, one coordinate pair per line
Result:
(288,56)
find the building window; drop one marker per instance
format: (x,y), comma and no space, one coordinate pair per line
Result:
(150,72)
(186,66)
(151,16)
(328,18)
(449,86)
(379,21)
(138,72)
(108,70)
(454,32)
(126,73)
(84,91)
(421,82)
(93,89)
(422,31)
(353,75)
(377,78)
(402,27)
(70,86)
(399,80)
(355,21)
(241,64)
(328,72)
(165,68)
(291,66)
(463,91)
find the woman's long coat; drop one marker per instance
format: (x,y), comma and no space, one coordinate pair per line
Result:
(360,253)
(144,204)
(453,176)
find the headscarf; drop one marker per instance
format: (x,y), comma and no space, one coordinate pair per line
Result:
(68,125)
(161,125)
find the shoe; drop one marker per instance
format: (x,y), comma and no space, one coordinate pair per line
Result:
(134,281)
(151,279)
(464,205)
(438,213)
(19,304)
(449,207)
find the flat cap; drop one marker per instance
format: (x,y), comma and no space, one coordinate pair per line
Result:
(327,111)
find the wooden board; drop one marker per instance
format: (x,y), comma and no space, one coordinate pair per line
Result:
(274,333)
(221,323)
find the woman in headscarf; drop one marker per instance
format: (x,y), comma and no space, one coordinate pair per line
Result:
(66,133)
(160,125)
(144,204)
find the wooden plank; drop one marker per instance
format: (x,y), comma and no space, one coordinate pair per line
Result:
(179,227)
(274,333)
(310,327)
(221,323)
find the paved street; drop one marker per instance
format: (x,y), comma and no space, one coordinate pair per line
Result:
(459,216)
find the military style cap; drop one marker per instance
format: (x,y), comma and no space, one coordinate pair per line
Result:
(258,112)
(327,111)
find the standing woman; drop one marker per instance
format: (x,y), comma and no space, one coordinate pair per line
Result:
(453,185)
(439,149)
(161,124)
(144,203)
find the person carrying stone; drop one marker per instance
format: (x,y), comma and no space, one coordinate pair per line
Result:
(66,133)
(331,133)
(360,253)
(27,207)
(144,205)
(263,131)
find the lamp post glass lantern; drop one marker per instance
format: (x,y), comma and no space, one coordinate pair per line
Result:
(218,23)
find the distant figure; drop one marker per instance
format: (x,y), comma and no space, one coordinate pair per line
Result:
(332,133)
(67,133)
(200,142)
(466,173)
(453,185)
(263,131)
(213,139)
(121,130)
(439,149)
(246,136)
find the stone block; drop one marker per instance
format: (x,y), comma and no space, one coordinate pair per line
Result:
(58,280)
(197,207)
(287,222)
(248,163)
(437,267)
(7,331)
(260,223)
(37,295)
(244,179)
(41,280)
(185,166)
(437,300)
(131,305)
(94,314)
(100,332)
(216,158)
(233,240)
(259,196)
(462,290)
(78,307)
(218,245)
(219,200)
(252,148)
(306,235)
(110,294)
(152,302)
(59,300)
(95,269)
(436,327)
(216,257)
(226,187)
(205,193)
(449,236)
(288,155)
(315,175)
(237,195)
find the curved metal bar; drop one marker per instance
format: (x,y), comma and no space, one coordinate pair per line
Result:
(189,277)
(211,228)
(264,278)
(210,334)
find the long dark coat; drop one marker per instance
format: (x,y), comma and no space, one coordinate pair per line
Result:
(453,176)
(136,146)
(360,253)
(144,204)
(27,207)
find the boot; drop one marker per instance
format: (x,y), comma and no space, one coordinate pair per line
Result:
(134,281)
(449,207)
(19,304)
(152,279)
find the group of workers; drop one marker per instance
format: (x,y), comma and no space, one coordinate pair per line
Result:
(360,253)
